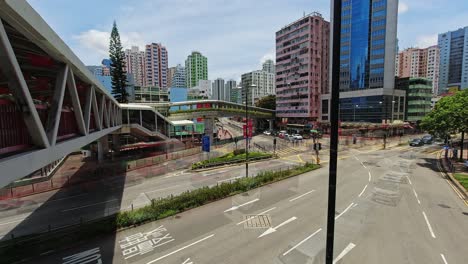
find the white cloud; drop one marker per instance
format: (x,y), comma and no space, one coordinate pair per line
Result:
(424,41)
(402,7)
(94,40)
(270,55)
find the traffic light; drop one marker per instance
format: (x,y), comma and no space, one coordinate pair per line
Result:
(317,146)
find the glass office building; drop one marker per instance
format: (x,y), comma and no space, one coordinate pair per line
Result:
(367,63)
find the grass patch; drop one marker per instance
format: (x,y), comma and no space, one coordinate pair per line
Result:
(233,157)
(463,179)
(13,250)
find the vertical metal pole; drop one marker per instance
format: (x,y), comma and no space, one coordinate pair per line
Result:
(246,134)
(335,100)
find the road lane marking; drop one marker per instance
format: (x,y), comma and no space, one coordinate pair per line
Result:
(363,165)
(235,207)
(14,221)
(69,197)
(409,180)
(91,255)
(428,225)
(300,243)
(370,176)
(344,252)
(180,249)
(89,205)
(415,194)
(264,212)
(162,189)
(187,261)
(230,179)
(302,195)
(363,190)
(342,213)
(274,229)
(443,258)
(356,158)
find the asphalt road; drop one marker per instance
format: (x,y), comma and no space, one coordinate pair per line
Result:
(393,206)
(41,212)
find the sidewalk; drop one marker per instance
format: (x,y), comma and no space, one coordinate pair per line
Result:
(451,167)
(80,175)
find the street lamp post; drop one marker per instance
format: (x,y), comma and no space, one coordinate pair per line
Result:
(393,109)
(354,112)
(247,129)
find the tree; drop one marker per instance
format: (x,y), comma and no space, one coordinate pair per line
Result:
(450,115)
(117,57)
(268,102)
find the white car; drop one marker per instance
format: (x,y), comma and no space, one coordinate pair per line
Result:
(267,133)
(297,137)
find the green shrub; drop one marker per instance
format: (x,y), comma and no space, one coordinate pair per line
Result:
(233,157)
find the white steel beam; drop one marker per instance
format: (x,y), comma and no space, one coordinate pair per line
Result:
(20,165)
(19,88)
(71,85)
(87,110)
(55,112)
(97,116)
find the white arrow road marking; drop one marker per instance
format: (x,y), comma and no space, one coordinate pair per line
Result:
(344,211)
(187,261)
(443,258)
(300,243)
(370,176)
(252,217)
(235,207)
(302,195)
(273,229)
(428,225)
(344,252)
(180,249)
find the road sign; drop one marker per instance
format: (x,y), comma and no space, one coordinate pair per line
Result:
(206,143)
(248,130)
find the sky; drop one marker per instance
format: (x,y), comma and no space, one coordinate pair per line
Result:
(235,35)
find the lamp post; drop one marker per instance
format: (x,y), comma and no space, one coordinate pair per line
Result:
(393,109)
(380,104)
(247,129)
(354,112)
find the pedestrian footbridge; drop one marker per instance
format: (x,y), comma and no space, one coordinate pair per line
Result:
(52,105)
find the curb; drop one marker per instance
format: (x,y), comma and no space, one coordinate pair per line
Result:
(230,165)
(459,189)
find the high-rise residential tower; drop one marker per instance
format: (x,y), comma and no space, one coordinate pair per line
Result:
(367,63)
(178,78)
(170,75)
(302,60)
(156,65)
(453,65)
(196,68)
(268,66)
(218,89)
(415,62)
(135,63)
(231,84)
(258,84)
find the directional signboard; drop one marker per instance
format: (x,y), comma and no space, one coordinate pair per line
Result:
(206,143)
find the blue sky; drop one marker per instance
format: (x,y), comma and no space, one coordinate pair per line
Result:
(235,35)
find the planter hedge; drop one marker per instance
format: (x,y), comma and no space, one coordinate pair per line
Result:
(233,157)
